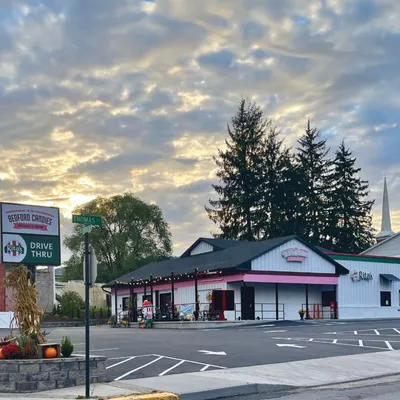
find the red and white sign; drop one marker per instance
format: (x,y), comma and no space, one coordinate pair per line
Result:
(295,254)
(35,220)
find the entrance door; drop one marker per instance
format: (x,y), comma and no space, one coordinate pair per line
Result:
(247,296)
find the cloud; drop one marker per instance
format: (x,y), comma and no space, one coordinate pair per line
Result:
(101,97)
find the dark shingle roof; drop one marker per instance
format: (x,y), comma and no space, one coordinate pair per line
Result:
(231,257)
(322,249)
(217,244)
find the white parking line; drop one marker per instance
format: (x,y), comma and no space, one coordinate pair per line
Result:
(376,331)
(388,345)
(396,330)
(121,362)
(139,368)
(355,332)
(335,341)
(189,361)
(204,368)
(115,348)
(173,367)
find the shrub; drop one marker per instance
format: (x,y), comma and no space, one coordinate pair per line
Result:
(65,317)
(54,310)
(57,316)
(76,319)
(70,302)
(66,347)
(27,344)
(93,313)
(101,312)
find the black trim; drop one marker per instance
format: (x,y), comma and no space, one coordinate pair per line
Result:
(199,240)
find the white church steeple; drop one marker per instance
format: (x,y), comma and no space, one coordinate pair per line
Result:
(386,225)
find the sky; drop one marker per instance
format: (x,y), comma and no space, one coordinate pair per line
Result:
(100,97)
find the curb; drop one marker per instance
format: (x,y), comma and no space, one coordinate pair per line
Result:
(240,390)
(152,396)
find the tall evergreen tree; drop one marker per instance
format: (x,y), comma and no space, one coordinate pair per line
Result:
(350,225)
(277,211)
(314,173)
(235,212)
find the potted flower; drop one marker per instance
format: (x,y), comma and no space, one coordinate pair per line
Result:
(301,313)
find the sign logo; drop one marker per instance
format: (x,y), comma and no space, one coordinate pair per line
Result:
(15,248)
(357,276)
(295,254)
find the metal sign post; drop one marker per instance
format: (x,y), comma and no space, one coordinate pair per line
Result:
(89,273)
(87,315)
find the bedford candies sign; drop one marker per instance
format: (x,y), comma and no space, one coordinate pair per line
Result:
(30,234)
(17,218)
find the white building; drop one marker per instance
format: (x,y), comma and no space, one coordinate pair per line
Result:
(270,279)
(388,242)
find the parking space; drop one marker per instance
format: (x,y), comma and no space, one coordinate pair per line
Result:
(134,353)
(131,367)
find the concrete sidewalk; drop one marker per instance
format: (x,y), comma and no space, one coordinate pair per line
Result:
(268,378)
(276,377)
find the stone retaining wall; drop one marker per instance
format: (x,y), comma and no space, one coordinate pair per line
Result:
(18,376)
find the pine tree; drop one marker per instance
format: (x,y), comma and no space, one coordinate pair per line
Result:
(277,212)
(314,178)
(351,223)
(235,212)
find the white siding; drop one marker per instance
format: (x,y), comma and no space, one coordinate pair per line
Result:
(274,261)
(185,295)
(292,296)
(201,248)
(391,248)
(361,299)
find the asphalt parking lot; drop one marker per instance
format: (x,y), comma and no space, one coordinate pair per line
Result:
(134,353)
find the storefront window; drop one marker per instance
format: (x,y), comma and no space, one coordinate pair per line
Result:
(386,299)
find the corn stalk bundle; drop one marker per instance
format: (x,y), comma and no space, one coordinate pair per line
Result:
(27,314)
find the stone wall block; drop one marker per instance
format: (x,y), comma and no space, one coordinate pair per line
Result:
(50,367)
(29,367)
(26,386)
(37,376)
(8,366)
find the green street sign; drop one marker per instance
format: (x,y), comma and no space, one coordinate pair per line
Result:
(31,249)
(87,220)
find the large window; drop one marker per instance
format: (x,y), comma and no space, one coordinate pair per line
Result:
(386,299)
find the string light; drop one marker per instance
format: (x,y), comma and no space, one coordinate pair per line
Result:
(154,280)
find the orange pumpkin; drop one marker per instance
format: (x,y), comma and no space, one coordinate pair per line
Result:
(50,352)
(2,356)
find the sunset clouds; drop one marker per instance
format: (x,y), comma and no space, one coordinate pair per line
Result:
(102,97)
